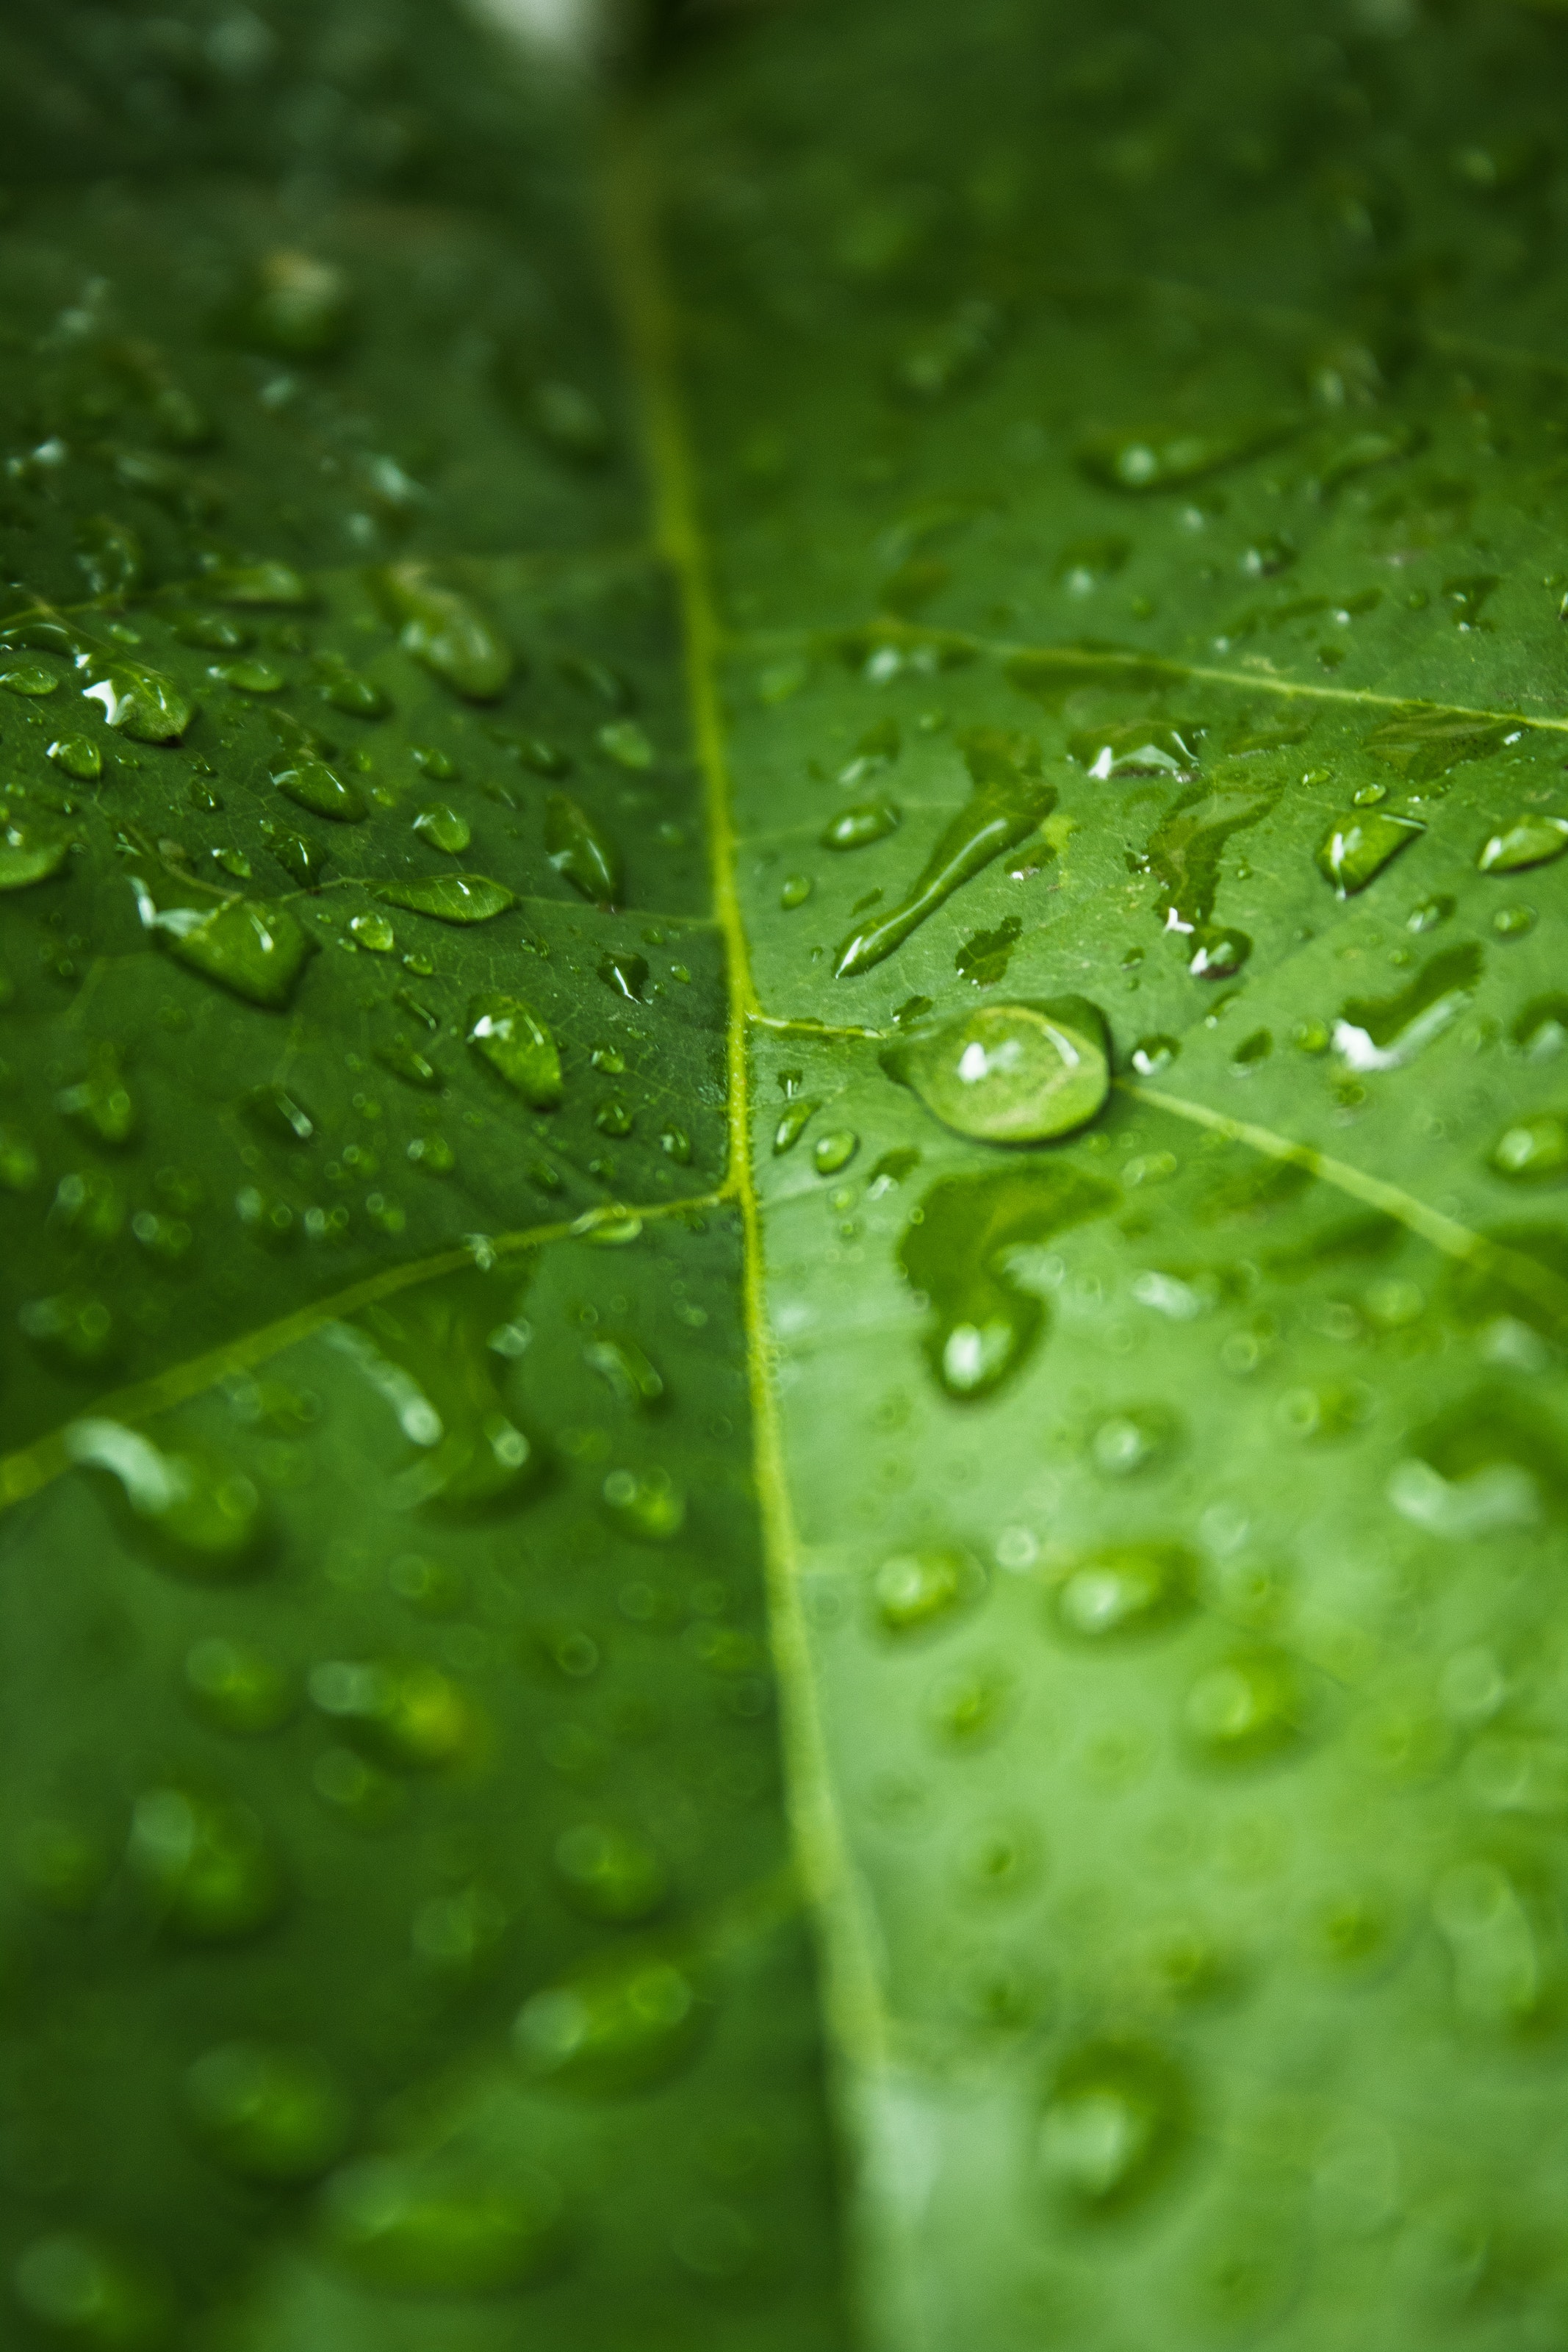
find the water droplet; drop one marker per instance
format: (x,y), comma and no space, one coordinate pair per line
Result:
(403,1714)
(613,1116)
(74,1328)
(625,973)
(84,2292)
(1245,1710)
(205,1514)
(1383,1033)
(627,744)
(450,898)
(18,1162)
(29,853)
(273,1110)
(1167,459)
(1139,1438)
(517,1044)
(236,1687)
(794,1120)
(983,957)
(1496,1964)
(1424,745)
(453,2222)
(965,1250)
(141,703)
(1137,747)
(29,678)
(1532,1150)
(856,828)
(795,890)
(580,849)
(1356,849)
(322,790)
(677,1144)
(429,1357)
(407,1062)
(258,586)
(347,690)
(1513,922)
(372,933)
(1115,2117)
(444,827)
(205,1864)
(296,305)
(835,1150)
(256,950)
(1007,802)
(1525,841)
(1125,1590)
(921,1592)
(628,1371)
(646,1505)
(446,631)
(78,755)
(617,2026)
(101,1104)
(608,1873)
(1185,851)
(953,354)
(249,677)
(302,855)
(267,2115)
(1151,1055)
(1009,1073)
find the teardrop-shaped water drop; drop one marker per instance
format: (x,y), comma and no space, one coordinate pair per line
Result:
(315,786)
(857,828)
(444,827)
(518,1046)
(449,898)
(256,950)
(1531,840)
(446,631)
(617,2026)
(1357,847)
(579,848)
(456,2223)
(1126,1589)
(78,755)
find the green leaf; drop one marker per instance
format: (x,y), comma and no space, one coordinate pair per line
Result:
(968,1155)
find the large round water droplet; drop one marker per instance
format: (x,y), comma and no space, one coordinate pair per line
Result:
(1009,1073)
(267,2114)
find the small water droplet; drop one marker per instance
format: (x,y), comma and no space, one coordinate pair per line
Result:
(455,2222)
(1115,2117)
(29,853)
(579,848)
(78,755)
(403,1712)
(101,1102)
(920,1591)
(347,690)
(856,828)
(1532,1150)
(267,2115)
(610,1873)
(445,631)
(249,677)
(835,1150)
(647,1505)
(1247,1709)
(322,790)
(205,1864)
(29,678)
(236,1687)
(795,890)
(625,973)
(205,1513)
(82,2290)
(1151,1055)
(407,1062)
(628,1371)
(1126,1589)
(627,744)
(444,827)
(617,2026)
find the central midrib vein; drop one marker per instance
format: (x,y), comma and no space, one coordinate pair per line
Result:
(852,1997)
